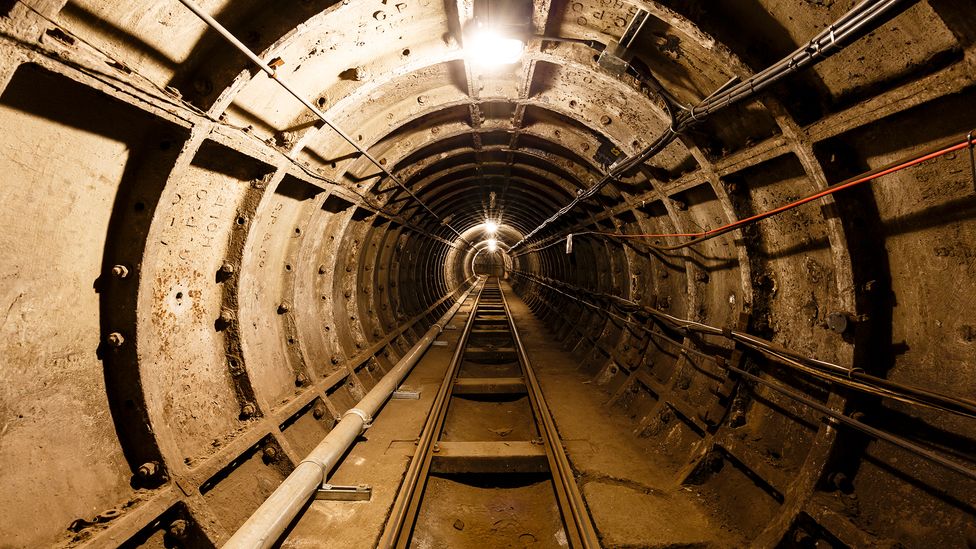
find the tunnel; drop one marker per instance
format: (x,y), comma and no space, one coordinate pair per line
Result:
(731,246)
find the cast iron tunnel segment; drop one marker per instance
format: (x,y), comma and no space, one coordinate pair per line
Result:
(489,436)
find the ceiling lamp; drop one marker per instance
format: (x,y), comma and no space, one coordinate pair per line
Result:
(491,227)
(492,245)
(487,48)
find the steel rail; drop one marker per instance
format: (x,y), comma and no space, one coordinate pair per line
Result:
(397,531)
(579,526)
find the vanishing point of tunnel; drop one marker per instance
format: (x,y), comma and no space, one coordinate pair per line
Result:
(487,273)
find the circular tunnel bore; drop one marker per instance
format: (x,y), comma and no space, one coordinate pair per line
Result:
(738,240)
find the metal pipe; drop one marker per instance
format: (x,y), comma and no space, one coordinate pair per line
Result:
(272,518)
(269,70)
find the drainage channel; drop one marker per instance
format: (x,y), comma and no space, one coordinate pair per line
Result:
(489,469)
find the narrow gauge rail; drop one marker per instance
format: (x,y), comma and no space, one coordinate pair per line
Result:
(489,428)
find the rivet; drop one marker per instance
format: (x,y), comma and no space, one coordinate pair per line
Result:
(115,339)
(270,454)
(226,316)
(322,269)
(249,410)
(226,267)
(318,412)
(284,307)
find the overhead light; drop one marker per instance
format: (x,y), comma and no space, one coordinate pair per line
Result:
(492,245)
(488,48)
(491,227)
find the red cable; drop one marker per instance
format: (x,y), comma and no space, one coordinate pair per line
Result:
(821,194)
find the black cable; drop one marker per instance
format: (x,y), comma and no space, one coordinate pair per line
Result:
(850,26)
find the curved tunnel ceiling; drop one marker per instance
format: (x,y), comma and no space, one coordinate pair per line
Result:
(254,274)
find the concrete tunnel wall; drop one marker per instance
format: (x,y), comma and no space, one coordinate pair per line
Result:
(199,277)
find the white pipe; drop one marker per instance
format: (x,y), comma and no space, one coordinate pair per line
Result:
(272,518)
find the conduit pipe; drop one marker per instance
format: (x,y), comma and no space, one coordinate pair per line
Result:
(270,520)
(270,71)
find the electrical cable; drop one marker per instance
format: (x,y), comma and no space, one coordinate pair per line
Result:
(177,102)
(270,71)
(822,369)
(698,237)
(850,26)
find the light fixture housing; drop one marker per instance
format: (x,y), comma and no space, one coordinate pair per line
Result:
(492,245)
(491,227)
(489,48)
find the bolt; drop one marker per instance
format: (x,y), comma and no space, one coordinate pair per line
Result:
(318,412)
(802,538)
(120,271)
(115,339)
(300,380)
(701,276)
(335,359)
(226,316)
(284,307)
(838,322)
(148,470)
(606,120)
(178,528)
(347,293)
(322,269)
(249,410)
(840,481)
(270,454)
(227,268)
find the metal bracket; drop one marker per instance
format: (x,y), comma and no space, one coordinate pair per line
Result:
(331,492)
(406,394)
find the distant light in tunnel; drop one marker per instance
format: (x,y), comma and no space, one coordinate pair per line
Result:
(488,48)
(492,245)
(491,227)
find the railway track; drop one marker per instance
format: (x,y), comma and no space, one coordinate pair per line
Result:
(489,468)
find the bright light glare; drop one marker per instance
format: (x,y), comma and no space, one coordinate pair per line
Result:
(489,49)
(492,245)
(491,227)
